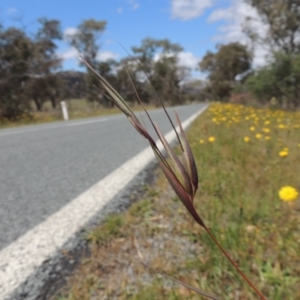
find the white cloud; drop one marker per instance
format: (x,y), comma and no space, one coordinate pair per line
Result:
(189,9)
(133,4)
(233,20)
(119,10)
(185,59)
(70,31)
(69,54)
(157,56)
(72,53)
(188,59)
(11,11)
(220,14)
(106,55)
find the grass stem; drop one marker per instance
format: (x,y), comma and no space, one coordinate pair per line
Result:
(234,264)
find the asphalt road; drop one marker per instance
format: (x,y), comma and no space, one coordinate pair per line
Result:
(44,167)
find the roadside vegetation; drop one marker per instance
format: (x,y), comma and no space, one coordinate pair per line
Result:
(32,81)
(31,74)
(248,161)
(248,158)
(77,109)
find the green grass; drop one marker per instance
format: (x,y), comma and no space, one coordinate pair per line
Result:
(112,227)
(238,200)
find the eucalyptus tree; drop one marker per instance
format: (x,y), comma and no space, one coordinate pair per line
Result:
(224,66)
(15,53)
(282,25)
(86,41)
(158,58)
(45,62)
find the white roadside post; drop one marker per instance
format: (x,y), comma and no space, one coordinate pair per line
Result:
(64,110)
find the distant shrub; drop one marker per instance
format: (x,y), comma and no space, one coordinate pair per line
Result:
(279,79)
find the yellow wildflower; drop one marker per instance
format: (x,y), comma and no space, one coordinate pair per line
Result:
(288,193)
(211,139)
(258,135)
(201,141)
(267,138)
(283,153)
(281,126)
(266,130)
(267,122)
(252,128)
(246,139)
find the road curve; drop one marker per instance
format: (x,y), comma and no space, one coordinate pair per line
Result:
(50,183)
(44,167)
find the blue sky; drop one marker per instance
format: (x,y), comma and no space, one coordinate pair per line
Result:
(197,25)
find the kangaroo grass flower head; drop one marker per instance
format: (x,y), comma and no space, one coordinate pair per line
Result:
(181,172)
(288,193)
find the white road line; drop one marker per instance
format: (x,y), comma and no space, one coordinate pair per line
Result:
(21,259)
(86,122)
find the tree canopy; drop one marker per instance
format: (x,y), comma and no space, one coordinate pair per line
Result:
(282,20)
(158,58)
(224,66)
(279,80)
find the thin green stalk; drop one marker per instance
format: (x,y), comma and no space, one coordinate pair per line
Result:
(234,264)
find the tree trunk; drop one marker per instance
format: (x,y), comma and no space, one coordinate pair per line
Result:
(38,104)
(53,101)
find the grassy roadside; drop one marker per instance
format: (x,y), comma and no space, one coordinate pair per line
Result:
(77,109)
(244,157)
